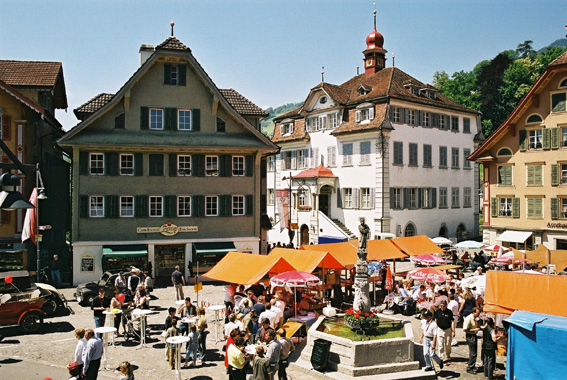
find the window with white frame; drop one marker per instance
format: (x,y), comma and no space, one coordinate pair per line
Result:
(563,179)
(184,120)
(156,206)
(183,205)
(505,208)
(211,205)
(455,158)
(396,114)
(333,120)
(535,139)
(466,125)
(443,197)
(397,198)
(271,197)
(271,163)
(412,198)
(412,154)
(455,197)
(313,124)
(286,129)
(322,122)
(156,118)
(237,166)
(467,197)
(466,163)
(365,198)
(412,120)
(364,115)
(564,136)
(442,122)
(347,154)
(347,197)
(303,158)
(183,165)
(365,153)
(126,164)
(126,206)
(173,74)
(563,211)
(96,163)
(286,164)
(426,119)
(211,166)
(96,206)
(302,198)
(237,205)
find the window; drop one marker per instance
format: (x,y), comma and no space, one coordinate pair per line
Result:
(397,198)
(409,230)
(466,163)
(563,206)
(271,197)
(271,163)
(455,123)
(563,136)
(155,164)
(323,122)
(505,175)
(534,175)
(221,125)
(455,158)
(211,205)
(183,165)
(504,152)
(332,156)
(426,119)
(443,157)
(365,198)
(156,206)
(535,207)
(347,198)
(238,205)
(96,164)
(323,100)
(563,174)
(365,153)
(302,199)
(184,120)
(333,120)
(455,197)
(535,138)
(173,75)
(505,208)
(467,197)
(558,101)
(443,197)
(364,115)
(396,114)
(211,166)
(534,119)
(286,129)
(120,121)
(427,197)
(96,206)
(398,153)
(411,117)
(126,206)
(466,125)
(126,164)
(313,124)
(184,205)
(303,158)
(442,122)
(237,166)
(412,154)
(156,118)
(347,154)
(412,198)
(427,162)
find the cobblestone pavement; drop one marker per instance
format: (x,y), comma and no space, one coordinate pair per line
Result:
(53,347)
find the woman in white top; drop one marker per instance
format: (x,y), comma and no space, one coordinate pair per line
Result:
(81,344)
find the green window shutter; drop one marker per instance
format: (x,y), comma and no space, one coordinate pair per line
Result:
(531,174)
(196,116)
(546,138)
(225,162)
(156,165)
(225,205)
(120,121)
(249,204)
(171,119)
(111,163)
(434,197)
(167,73)
(111,206)
(554,174)
(515,207)
(141,206)
(198,165)
(494,207)
(538,177)
(198,206)
(531,211)
(339,198)
(138,164)
(554,208)
(522,134)
(554,138)
(84,163)
(173,165)
(406,198)
(144,118)
(170,209)
(182,72)
(538,207)
(83,206)
(249,165)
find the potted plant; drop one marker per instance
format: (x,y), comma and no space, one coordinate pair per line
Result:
(358,320)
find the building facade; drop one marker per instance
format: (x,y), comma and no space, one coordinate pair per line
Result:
(167,171)
(383,146)
(30,92)
(525,168)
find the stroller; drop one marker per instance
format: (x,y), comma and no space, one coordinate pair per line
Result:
(132,326)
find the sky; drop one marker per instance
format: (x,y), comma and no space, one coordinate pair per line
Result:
(270,51)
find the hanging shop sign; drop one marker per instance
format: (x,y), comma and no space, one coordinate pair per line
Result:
(168,229)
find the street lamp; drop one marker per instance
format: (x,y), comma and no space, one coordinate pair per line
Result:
(291,233)
(10,198)
(40,196)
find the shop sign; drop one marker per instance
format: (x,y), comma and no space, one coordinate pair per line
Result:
(560,226)
(168,229)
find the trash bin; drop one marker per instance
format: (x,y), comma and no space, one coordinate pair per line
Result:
(320,354)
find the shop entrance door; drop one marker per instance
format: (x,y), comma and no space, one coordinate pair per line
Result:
(167,257)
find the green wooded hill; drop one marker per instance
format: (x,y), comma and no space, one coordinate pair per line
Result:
(267,125)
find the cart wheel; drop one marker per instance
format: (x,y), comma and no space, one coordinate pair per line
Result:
(31,322)
(49,307)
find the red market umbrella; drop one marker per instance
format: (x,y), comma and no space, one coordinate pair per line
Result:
(427,260)
(429,274)
(522,261)
(502,260)
(389,280)
(495,248)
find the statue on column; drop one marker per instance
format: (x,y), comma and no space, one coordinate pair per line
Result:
(361,290)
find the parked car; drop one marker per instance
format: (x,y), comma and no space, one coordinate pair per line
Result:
(87,292)
(22,281)
(23,309)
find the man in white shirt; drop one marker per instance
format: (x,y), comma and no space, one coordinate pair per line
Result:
(454,307)
(230,325)
(418,294)
(270,315)
(278,311)
(428,337)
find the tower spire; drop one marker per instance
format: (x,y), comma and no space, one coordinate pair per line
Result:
(173,24)
(322,73)
(375,54)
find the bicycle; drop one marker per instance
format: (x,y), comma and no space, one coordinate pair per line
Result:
(43,277)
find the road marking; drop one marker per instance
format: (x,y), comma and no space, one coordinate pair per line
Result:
(12,345)
(63,340)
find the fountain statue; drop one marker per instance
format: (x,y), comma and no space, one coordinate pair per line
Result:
(361,298)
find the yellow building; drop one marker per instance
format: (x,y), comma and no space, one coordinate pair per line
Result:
(525,168)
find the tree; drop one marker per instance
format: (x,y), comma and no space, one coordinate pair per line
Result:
(525,49)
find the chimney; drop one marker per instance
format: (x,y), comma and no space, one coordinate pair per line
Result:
(146,52)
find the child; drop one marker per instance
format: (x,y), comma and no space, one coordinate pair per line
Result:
(172,331)
(192,346)
(126,371)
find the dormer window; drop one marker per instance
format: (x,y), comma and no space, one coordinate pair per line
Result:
(286,129)
(364,115)
(323,100)
(363,90)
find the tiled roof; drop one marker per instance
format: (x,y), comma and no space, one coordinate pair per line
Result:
(29,73)
(291,113)
(20,97)
(351,125)
(561,60)
(241,104)
(299,132)
(94,104)
(173,43)
(337,93)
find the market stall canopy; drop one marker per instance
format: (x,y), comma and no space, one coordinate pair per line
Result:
(306,260)
(440,240)
(246,268)
(469,244)
(345,252)
(416,245)
(510,291)
(542,254)
(125,250)
(514,236)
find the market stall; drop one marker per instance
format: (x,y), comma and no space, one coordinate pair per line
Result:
(416,245)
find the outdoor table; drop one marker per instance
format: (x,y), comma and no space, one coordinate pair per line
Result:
(308,319)
(105,331)
(178,341)
(190,320)
(112,312)
(142,314)
(180,302)
(217,309)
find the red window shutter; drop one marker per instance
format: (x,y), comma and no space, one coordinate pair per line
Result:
(6,127)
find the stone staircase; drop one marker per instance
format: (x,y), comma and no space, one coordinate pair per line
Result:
(339,224)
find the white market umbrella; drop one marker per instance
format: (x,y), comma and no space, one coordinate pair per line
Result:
(295,279)
(440,240)
(469,244)
(474,281)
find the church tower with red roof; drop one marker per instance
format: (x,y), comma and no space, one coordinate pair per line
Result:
(375,54)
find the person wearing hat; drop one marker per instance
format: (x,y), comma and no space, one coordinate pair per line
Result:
(74,371)
(428,337)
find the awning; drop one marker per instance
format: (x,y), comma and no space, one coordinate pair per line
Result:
(416,245)
(213,249)
(306,260)
(514,236)
(331,239)
(129,250)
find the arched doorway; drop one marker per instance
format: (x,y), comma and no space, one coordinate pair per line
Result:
(409,230)
(443,232)
(461,231)
(304,237)
(325,199)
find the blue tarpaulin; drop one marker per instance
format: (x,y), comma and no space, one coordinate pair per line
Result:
(537,344)
(331,239)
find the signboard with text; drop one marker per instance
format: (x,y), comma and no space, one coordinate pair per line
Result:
(168,229)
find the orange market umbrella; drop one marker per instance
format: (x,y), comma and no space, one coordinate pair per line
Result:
(429,274)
